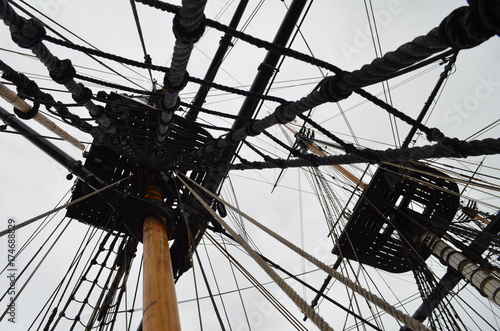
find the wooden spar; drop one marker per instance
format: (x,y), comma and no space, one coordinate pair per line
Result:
(486,283)
(159,299)
(20,104)
(349,175)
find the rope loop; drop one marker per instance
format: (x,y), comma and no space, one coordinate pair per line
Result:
(181,34)
(330,89)
(28,33)
(28,115)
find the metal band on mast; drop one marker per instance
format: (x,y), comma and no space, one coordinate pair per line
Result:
(486,283)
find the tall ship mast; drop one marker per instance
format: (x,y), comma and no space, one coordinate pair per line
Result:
(237,165)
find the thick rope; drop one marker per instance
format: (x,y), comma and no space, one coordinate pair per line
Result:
(488,146)
(29,34)
(458,30)
(388,308)
(283,114)
(188,29)
(149,66)
(294,296)
(12,98)
(28,87)
(465,27)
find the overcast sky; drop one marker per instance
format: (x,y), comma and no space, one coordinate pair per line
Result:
(334,31)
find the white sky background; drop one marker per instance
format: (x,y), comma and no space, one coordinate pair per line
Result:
(30,183)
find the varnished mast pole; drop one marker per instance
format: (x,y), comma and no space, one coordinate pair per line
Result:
(160,312)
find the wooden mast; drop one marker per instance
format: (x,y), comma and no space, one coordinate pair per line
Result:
(160,312)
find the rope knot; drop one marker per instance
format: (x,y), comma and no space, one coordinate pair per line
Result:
(28,33)
(28,88)
(436,135)
(250,130)
(330,89)
(64,72)
(350,148)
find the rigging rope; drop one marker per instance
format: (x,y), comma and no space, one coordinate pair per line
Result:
(139,64)
(69,204)
(29,34)
(24,110)
(487,146)
(301,303)
(147,57)
(407,320)
(341,85)
(458,30)
(257,285)
(188,29)
(73,34)
(28,87)
(18,293)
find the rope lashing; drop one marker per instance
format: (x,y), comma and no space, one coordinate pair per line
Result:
(27,33)
(188,27)
(388,308)
(332,90)
(326,91)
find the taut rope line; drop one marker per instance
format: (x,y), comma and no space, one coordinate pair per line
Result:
(388,308)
